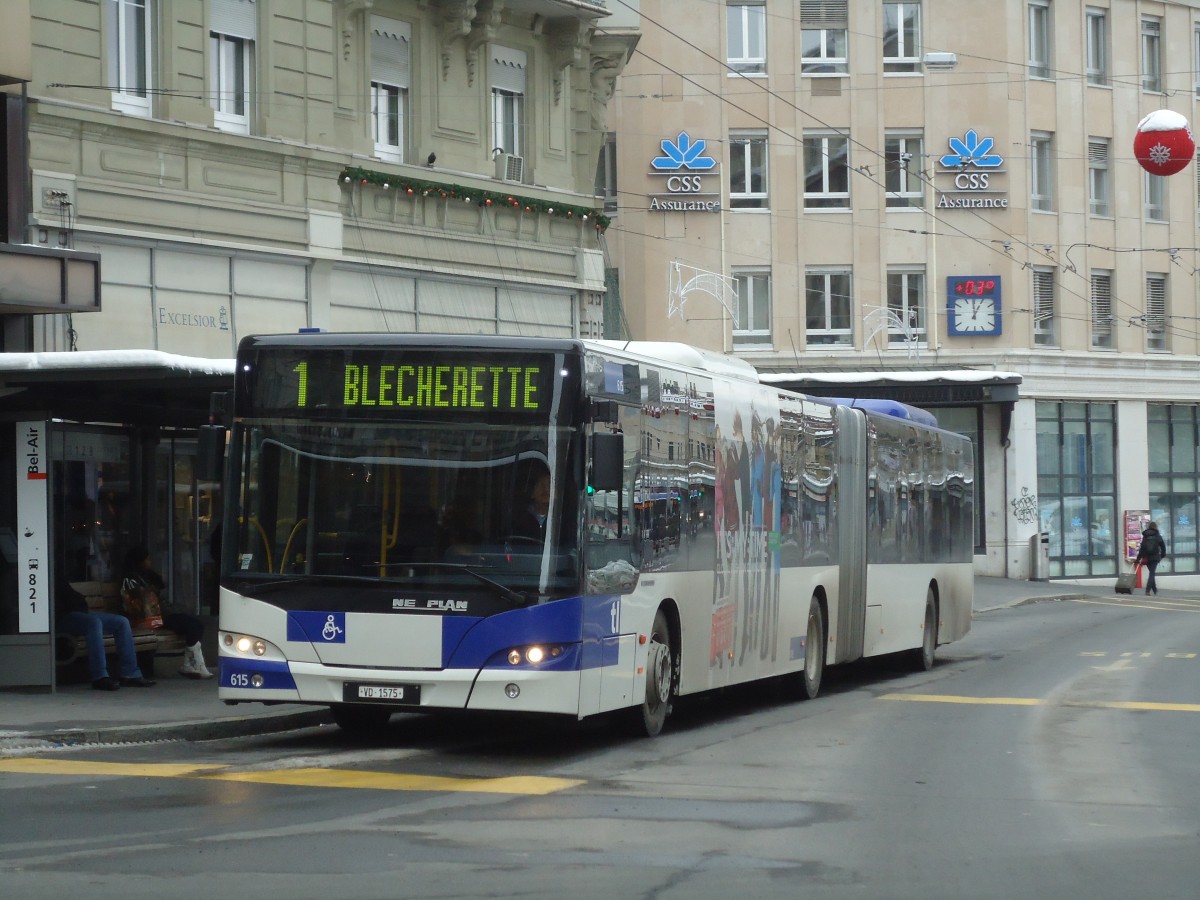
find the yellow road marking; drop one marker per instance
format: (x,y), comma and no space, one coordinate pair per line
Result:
(1160,605)
(1033,701)
(384,781)
(310,777)
(34,766)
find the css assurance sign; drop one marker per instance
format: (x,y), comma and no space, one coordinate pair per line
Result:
(686,169)
(970,166)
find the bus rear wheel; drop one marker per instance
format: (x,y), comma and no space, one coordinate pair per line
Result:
(358,718)
(922,657)
(660,677)
(814,650)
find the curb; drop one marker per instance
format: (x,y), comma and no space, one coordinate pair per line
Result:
(206,730)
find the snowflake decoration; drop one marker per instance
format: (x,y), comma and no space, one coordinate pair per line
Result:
(1160,154)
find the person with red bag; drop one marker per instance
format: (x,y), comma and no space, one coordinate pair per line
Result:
(1151,552)
(146,590)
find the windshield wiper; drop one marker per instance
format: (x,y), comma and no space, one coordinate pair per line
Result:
(515,598)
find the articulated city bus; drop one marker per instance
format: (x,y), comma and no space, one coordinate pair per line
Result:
(421,522)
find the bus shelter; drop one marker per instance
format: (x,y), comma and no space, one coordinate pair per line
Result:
(100,450)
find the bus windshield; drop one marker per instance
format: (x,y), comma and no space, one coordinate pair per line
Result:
(449,507)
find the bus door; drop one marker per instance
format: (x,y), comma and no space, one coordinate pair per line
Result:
(852,471)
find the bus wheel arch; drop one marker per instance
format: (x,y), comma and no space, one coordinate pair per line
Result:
(922,657)
(662,669)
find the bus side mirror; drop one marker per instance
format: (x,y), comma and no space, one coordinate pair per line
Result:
(608,461)
(210,453)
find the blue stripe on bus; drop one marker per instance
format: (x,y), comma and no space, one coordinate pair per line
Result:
(592,622)
(236,673)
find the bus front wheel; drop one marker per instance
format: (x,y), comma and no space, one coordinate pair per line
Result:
(356,718)
(660,677)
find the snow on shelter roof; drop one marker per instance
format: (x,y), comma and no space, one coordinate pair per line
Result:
(99,361)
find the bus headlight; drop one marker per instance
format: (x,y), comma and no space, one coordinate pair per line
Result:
(534,654)
(245,644)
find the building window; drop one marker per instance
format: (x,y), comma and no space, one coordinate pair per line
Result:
(1041,172)
(1151,50)
(748,171)
(508,100)
(1098,191)
(1039,40)
(827,308)
(1196,60)
(747,24)
(752,326)
(391,43)
(1156,312)
(901,37)
(130,46)
(1101,303)
(826,171)
(606,173)
(1097,46)
(906,305)
(1156,197)
(1174,469)
(1077,487)
(1045,331)
(824,37)
(904,180)
(233,27)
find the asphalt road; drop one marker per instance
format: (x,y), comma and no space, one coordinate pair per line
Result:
(1052,753)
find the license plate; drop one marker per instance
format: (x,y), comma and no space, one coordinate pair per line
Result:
(406,694)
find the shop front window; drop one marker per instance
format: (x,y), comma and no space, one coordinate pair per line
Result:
(1077,486)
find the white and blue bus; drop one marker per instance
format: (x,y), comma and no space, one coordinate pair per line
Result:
(700,529)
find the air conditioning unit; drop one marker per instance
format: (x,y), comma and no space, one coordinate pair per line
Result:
(509,167)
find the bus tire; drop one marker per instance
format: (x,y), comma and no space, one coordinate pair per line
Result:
(660,677)
(359,718)
(922,657)
(814,651)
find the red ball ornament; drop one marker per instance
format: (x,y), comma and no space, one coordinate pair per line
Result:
(1163,144)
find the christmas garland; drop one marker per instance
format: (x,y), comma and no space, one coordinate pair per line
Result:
(414,187)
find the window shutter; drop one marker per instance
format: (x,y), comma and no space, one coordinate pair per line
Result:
(824,13)
(1101,299)
(1098,153)
(391,43)
(236,18)
(508,69)
(1156,303)
(1043,298)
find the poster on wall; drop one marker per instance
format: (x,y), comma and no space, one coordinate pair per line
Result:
(1136,521)
(33,533)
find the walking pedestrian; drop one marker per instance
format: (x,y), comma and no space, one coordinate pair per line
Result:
(1151,552)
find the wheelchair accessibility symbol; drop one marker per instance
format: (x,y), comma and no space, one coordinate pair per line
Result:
(331,630)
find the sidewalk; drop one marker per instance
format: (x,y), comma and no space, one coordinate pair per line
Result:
(183,709)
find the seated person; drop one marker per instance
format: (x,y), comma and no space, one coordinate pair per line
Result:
(140,575)
(72,616)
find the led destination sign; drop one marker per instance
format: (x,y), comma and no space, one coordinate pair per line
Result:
(382,382)
(506,388)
